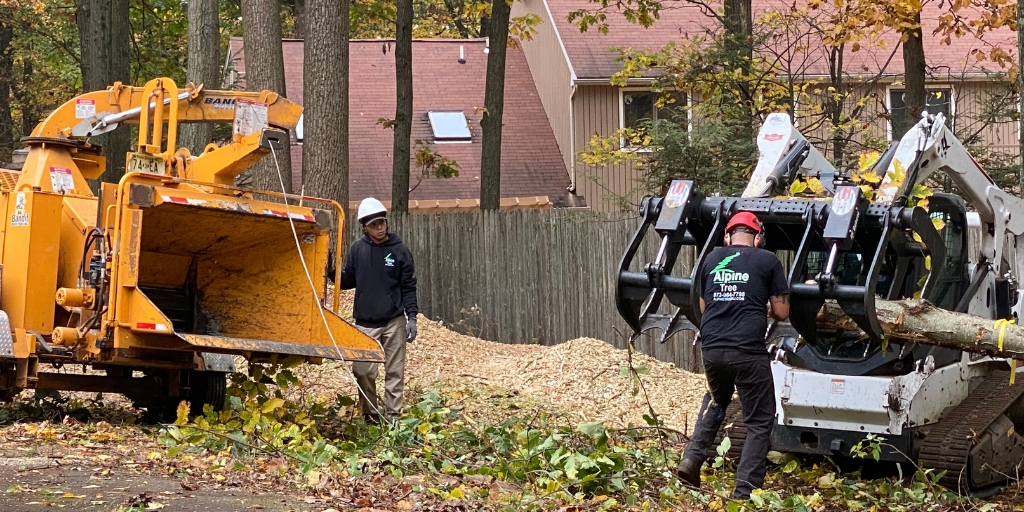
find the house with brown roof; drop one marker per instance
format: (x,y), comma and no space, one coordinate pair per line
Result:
(572,70)
(448,99)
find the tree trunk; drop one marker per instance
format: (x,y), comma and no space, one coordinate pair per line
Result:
(739,43)
(104,37)
(264,69)
(914,74)
(836,106)
(203,64)
(299,30)
(494,102)
(6,76)
(739,28)
(119,142)
(26,97)
(924,323)
(1020,95)
(325,121)
(401,152)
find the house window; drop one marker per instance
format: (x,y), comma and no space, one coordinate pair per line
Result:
(936,101)
(642,106)
(449,127)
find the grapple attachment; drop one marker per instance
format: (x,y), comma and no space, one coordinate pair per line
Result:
(838,247)
(843,249)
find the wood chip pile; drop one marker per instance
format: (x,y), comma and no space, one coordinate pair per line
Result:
(583,378)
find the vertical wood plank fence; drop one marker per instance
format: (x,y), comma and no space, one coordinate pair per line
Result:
(530,276)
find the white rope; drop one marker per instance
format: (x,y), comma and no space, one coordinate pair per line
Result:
(312,286)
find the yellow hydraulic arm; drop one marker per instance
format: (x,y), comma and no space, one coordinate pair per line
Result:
(99,112)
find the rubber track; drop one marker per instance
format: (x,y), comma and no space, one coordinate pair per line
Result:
(737,433)
(948,443)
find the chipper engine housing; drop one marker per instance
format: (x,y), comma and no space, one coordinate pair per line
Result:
(834,387)
(162,279)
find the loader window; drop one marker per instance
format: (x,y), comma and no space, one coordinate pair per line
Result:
(951,280)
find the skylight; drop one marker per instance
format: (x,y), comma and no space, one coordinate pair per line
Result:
(449,126)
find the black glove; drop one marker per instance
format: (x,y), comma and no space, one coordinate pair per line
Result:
(410,330)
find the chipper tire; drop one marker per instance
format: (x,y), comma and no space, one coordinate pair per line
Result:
(198,388)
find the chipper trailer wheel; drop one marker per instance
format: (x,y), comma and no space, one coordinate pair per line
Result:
(198,388)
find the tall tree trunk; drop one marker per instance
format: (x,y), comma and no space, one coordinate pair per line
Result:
(739,28)
(401,152)
(104,33)
(26,98)
(264,69)
(914,73)
(739,43)
(494,103)
(6,75)
(835,106)
(301,8)
(325,121)
(203,64)
(1020,95)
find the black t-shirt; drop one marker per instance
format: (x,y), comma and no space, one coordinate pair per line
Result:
(736,282)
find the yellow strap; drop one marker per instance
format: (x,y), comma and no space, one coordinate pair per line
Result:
(1001,325)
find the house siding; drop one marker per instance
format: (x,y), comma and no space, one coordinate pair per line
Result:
(970,121)
(550,69)
(596,112)
(995,135)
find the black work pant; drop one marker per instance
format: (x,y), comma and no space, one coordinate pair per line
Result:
(751,375)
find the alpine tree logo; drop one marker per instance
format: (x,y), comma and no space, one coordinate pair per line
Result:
(724,275)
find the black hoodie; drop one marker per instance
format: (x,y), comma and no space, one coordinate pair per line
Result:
(384,279)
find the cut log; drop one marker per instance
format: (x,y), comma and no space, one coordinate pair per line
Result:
(922,322)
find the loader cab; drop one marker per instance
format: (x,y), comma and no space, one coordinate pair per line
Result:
(849,352)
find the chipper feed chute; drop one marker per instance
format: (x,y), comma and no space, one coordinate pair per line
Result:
(232,282)
(859,242)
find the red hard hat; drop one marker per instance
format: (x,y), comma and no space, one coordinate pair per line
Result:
(745,219)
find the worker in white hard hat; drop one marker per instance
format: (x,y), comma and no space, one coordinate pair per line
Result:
(380,267)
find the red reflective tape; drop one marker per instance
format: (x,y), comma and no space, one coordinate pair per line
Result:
(142,325)
(179,200)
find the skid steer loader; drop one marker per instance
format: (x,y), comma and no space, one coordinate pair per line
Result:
(944,409)
(161,279)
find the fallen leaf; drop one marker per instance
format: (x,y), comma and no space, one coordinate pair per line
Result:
(154,506)
(73,496)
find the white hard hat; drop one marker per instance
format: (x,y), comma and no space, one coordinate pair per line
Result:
(370,209)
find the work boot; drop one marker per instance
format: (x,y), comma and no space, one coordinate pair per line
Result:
(739,495)
(689,473)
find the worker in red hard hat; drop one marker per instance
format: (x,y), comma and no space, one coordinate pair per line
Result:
(736,282)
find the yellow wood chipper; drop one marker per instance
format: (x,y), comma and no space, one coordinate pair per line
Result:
(158,281)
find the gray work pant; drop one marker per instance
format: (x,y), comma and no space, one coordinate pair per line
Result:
(392,339)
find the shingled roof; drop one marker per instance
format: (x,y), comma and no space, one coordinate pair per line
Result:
(590,58)
(530,160)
